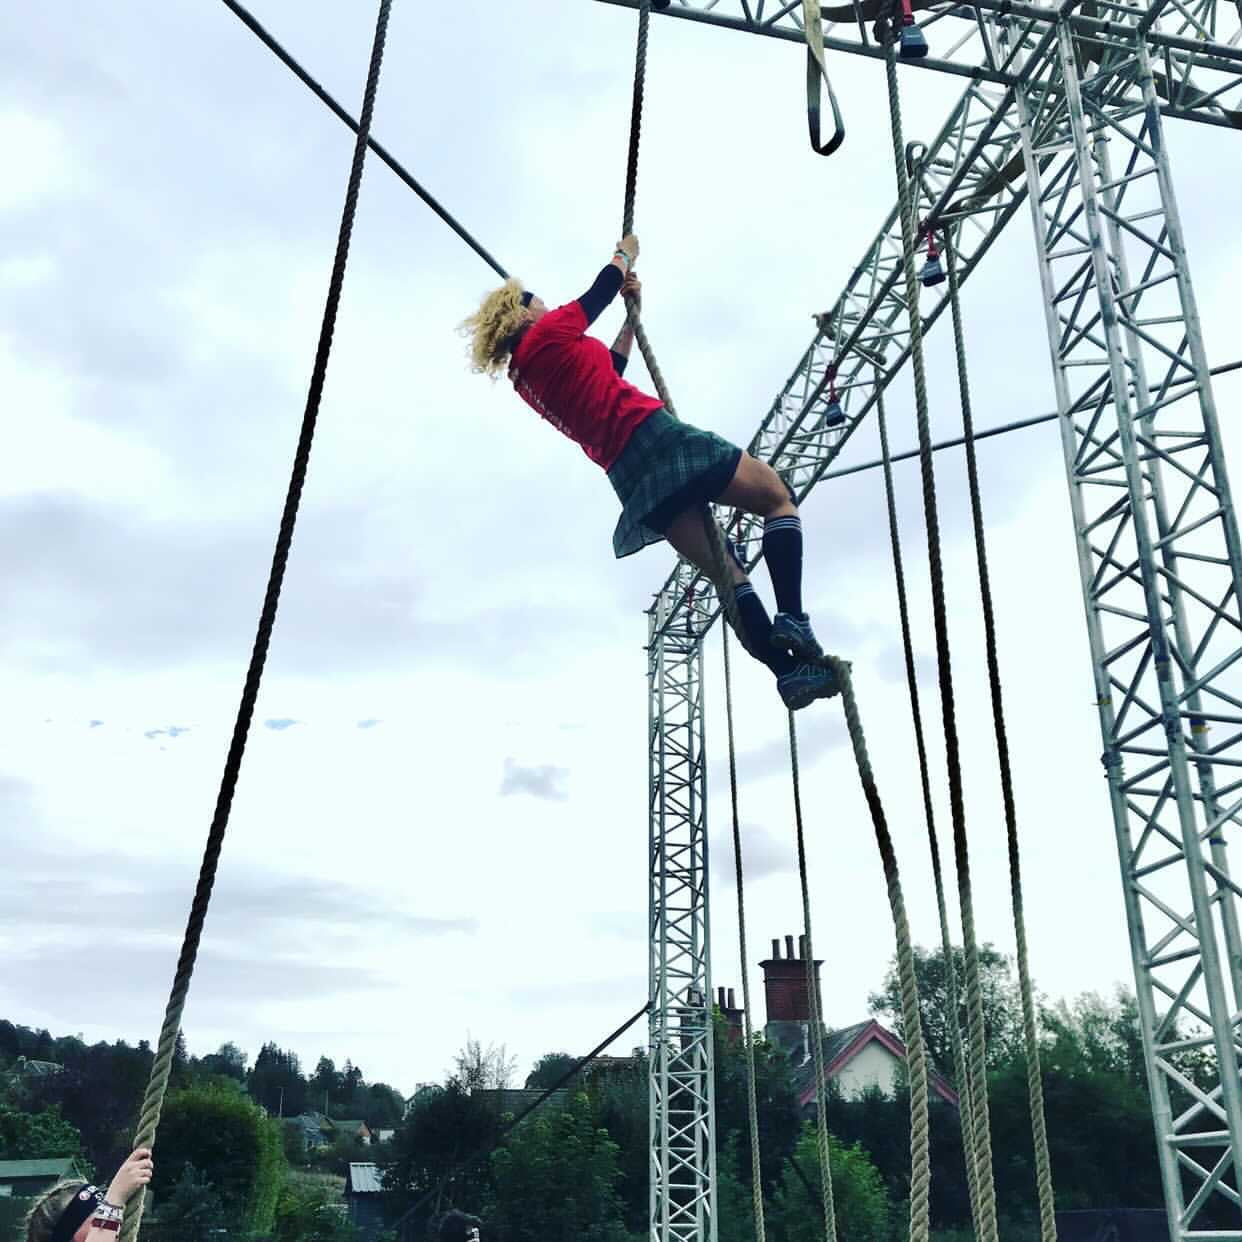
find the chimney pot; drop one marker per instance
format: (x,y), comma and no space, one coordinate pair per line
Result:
(732,1003)
(802,947)
(720,997)
(789,949)
(776,949)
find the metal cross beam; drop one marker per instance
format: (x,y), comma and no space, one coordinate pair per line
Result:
(1064,111)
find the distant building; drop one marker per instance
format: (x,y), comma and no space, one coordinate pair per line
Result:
(857,1058)
(364,1198)
(27,1179)
(352,1129)
(516,1100)
(421,1092)
(314,1129)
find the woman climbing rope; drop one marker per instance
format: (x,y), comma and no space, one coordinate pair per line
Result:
(75,1212)
(663,471)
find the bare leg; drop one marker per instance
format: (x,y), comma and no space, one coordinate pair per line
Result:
(756,488)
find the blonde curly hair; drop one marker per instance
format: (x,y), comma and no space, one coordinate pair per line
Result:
(493,326)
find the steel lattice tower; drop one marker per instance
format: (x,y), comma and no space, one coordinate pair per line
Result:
(1064,110)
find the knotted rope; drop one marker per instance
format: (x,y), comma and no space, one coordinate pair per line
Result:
(981,1143)
(1030,1030)
(153,1101)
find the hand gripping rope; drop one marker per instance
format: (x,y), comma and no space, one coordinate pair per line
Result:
(153,1101)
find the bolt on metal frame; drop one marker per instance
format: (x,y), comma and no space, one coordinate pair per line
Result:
(1160,560)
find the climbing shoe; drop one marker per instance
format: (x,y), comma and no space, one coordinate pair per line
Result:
(792,633)
(806,683)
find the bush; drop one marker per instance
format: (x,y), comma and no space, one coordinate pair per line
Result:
(231,1145)
(863,1210)
(308,1214)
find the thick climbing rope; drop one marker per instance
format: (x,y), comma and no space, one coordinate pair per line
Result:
(752,1103)
(907,980)
(815,1022)
(965,1113)
(976,1058)
(1030,1031)
(153,1101)
(916,1055)
(720,570)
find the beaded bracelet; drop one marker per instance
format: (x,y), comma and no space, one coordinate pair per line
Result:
(621,254)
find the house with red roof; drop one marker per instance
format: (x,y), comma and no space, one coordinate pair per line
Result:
(858,1058)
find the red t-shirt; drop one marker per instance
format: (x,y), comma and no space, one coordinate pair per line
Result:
(568,378)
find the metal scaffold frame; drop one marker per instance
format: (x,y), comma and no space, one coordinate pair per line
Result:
(1065,110)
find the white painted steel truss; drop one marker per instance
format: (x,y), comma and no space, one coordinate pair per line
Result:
(1064,110)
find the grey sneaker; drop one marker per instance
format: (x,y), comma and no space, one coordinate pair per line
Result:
(806,683)
(792,633)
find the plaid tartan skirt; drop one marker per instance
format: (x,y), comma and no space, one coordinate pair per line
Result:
(666,468)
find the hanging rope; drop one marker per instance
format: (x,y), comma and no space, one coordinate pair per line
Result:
(817,79)
(1030,1030)
(965,1107)
(720,571)
(752,1103)
(816,1022)
(981,1141)
(153,1101)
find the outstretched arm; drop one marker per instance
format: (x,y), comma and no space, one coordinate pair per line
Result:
(608,282)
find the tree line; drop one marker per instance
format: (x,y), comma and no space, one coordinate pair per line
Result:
(578,1169)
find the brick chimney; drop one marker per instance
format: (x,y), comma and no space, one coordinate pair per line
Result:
(785,993)
(733,1016)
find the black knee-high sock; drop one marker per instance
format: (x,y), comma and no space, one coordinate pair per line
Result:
(758,627)
(782,549)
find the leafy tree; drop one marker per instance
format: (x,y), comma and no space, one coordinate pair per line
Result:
(232,1145)
(779,1116)
(276,1081)
(555,1180)
(862,1205)
(324,1084)
(445,1128)
(489,1068)
(228,1061)
(620,1099)
(549,1069)
(382,1107)
(1001,1002)
(310,1215)
(36,1136)
(193,1207)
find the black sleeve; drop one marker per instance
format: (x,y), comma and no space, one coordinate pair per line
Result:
(618,361)
(606,287)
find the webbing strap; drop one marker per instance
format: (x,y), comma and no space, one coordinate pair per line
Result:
(817,80)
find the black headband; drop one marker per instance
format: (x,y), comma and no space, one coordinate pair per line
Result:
(526,297)
(77,1211)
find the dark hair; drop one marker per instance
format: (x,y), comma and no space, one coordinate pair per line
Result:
(455,1226)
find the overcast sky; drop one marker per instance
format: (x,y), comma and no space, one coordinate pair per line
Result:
(441,824)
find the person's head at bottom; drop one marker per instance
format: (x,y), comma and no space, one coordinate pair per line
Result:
(455,1226)
(72,1210)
